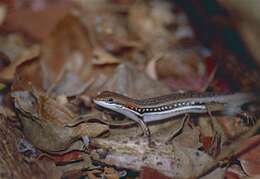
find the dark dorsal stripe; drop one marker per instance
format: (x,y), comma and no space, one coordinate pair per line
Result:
(174,97)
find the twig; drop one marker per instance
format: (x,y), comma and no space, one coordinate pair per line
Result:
(228,153)
(179,129)
(210,79)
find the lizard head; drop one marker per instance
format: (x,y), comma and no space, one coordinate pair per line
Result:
(112,100)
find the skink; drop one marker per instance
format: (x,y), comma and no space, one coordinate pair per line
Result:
(163,107)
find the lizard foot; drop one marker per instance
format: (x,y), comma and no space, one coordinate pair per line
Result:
(247,118)
(86,142)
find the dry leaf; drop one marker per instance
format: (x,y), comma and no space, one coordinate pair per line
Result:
(66,57)
(129,81)
(148,173)
(13,164)
(249,155)
(44,122)
(37,23)
(23,78)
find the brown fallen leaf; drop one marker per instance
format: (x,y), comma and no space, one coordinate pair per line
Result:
(182,69)
(127,79)
(44,122)
(66,57)
(249,155)
(18,52)
(37,23)
(23,79)
(231,175)
(13,164)
(148,173)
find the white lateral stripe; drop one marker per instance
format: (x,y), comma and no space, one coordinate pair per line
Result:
(160,115)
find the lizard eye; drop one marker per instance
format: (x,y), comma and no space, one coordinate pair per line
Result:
(110,99)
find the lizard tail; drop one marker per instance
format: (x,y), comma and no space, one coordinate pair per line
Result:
(235,102)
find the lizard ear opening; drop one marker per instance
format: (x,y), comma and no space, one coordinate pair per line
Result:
(110,99)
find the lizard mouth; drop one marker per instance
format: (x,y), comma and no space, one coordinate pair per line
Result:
(100,103)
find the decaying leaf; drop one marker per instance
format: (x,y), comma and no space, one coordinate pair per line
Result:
(13,164)
(249,153)
(148,173)
(44,122)
(128,80)
(66,57)
(23,79)
(18,52)
(58,55)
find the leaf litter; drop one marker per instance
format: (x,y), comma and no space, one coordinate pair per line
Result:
(71,51)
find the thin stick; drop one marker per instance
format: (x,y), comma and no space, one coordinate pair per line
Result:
(210,79)
(178,130)
(228,153)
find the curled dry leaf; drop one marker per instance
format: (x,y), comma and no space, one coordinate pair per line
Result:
(15,48)
(13,164)
(248,154)
(44,122)
(23,79)
(66,55)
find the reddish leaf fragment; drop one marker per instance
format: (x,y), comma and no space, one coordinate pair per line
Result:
(148,173)
(230,175)
(37,23)
(206,141)
(73,155)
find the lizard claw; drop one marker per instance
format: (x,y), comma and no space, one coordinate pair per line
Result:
(86,141)
(247,118)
